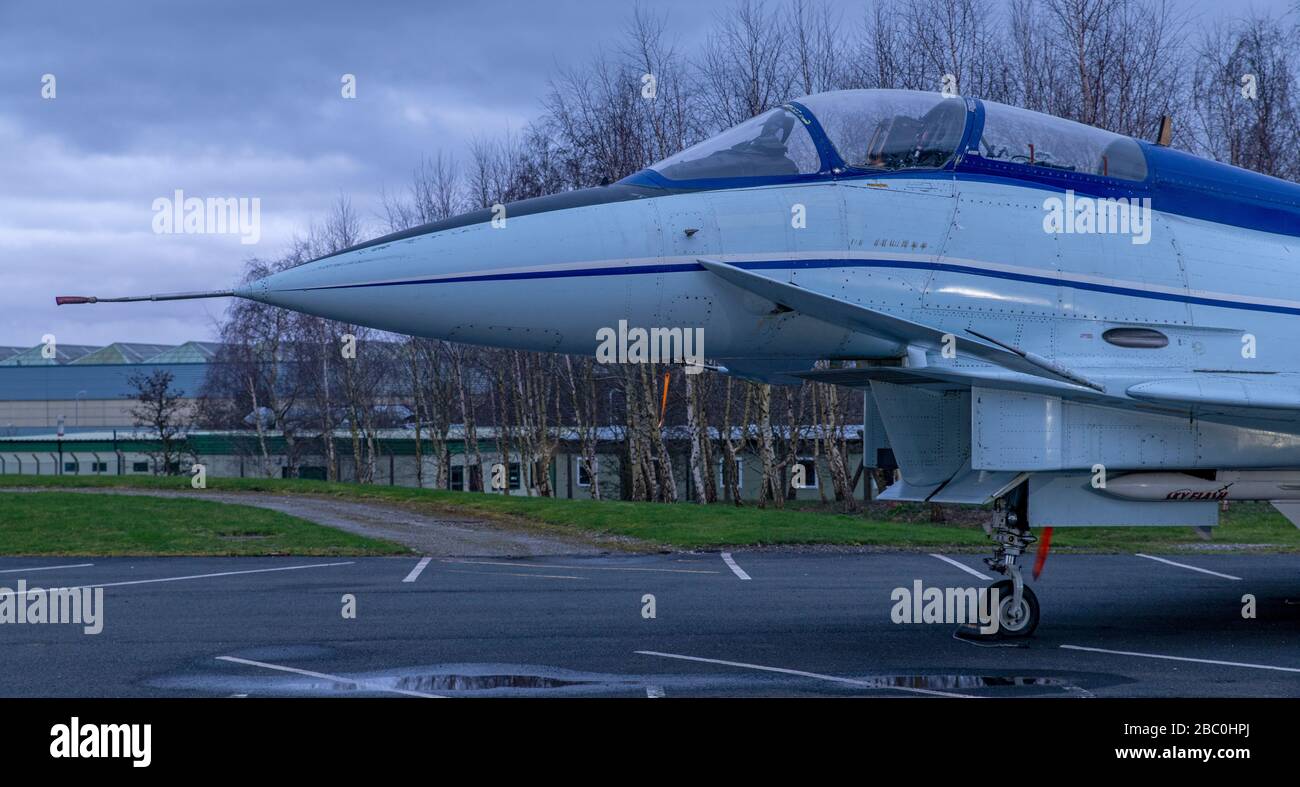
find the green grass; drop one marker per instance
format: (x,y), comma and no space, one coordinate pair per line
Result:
(50,523)
(685,525)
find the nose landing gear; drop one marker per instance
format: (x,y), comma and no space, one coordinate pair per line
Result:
(1018,610)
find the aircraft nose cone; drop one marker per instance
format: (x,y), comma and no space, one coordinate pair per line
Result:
(428,284)
(299,287)
(474,280)
(254,290)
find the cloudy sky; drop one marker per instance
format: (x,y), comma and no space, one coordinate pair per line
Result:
(242,99)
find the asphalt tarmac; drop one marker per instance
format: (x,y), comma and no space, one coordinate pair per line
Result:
(802,624)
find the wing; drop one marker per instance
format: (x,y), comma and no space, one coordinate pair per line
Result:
(878,323)
(1263,401)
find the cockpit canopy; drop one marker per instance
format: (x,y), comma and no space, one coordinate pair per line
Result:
(848,131)
(776,142)
(890,129)
(1032,139)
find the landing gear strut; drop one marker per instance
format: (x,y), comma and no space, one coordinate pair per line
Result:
(1017,604)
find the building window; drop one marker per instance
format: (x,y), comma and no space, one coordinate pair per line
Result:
(458,477)
(99,467)
(583,477)
(69,467)
(140,467)
(515,481)
(740,472)
(809,473)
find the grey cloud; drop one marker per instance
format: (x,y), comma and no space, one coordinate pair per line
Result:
(242,99)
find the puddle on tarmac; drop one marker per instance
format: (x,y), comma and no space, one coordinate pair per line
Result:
(959,681)
(483,682)
(488,680)
(444,683)
(470,683)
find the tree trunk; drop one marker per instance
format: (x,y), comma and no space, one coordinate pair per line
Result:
(771,486)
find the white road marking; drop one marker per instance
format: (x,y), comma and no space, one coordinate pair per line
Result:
(192,576)
(802,674)
(513,574)
(579,568)
(731,564)
(965,568)
(43,568)
(654,692)
(1182,658)
(360,684)
(1189,568)
(415,572)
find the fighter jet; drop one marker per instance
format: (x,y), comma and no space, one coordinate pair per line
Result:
(1083,328)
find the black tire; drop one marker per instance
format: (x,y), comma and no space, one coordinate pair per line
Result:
(1021,624)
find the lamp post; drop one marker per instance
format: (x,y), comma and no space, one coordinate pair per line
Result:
(60,440)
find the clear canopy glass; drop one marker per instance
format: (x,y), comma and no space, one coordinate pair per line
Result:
(890,129)
(774,143)
(900,130)
(1022,137)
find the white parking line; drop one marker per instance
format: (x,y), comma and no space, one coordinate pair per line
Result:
(578,568)
(802,674)
(360,684)
(513,574)
(965,568)
(731,564)
(43,568)
(1189,568)
(415,572)
(1182,658)
(192,576)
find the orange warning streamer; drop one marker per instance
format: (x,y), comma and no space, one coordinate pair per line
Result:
(663,406)
(1043,546)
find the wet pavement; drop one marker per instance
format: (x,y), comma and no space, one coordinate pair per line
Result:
(805,625)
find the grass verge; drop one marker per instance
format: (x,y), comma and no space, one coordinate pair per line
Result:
(109,525)
(685,525)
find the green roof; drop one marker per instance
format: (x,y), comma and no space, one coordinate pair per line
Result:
(115,354)
(123,352)
(189,352)
(66,353)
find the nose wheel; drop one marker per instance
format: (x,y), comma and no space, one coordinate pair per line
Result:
(1016,617)
(1018,611)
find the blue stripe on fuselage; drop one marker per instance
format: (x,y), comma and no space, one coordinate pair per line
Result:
(685,267)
